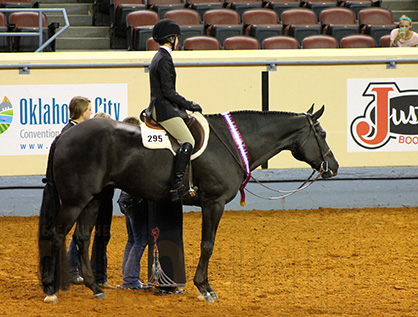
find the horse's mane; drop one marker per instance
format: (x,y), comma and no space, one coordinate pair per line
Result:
(250,112)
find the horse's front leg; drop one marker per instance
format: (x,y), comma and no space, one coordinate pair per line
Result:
(82,236)
(211,214)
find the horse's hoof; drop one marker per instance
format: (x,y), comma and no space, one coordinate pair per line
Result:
(51,299)
(214,295)
(206,297)
(100,295)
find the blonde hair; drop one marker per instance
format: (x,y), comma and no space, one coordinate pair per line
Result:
(102,115)
(78,105)
(132,120)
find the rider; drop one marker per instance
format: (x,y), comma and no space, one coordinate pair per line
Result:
(167,107)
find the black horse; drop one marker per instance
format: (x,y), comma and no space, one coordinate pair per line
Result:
(100,153)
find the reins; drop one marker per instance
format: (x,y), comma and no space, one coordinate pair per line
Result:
(286,193)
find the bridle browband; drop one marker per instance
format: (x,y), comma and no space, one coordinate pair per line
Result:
(308,182)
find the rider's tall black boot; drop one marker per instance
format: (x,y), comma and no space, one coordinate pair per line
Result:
(182,159)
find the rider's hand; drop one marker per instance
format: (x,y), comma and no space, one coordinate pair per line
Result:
(196,107)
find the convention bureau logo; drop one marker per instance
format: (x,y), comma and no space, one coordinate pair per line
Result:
(6,114)
(390,116)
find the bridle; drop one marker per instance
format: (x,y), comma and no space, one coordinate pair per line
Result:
(324,164)
(308,182)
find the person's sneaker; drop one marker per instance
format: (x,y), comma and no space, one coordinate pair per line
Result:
(105,284)
(144,285)
(141,286)
(77,280)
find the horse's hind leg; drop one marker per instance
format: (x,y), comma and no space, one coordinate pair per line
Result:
(211,216)
(82,234)
(55,271)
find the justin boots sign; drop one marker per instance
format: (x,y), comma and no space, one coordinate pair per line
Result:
(382,115)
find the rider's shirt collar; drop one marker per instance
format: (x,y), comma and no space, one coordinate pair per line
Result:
(166,48)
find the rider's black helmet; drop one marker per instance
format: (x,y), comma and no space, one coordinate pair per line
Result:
(164,29)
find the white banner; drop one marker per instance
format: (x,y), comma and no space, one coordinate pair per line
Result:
(382,115)
(31,116)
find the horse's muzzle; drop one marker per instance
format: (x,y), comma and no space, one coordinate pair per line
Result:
(328,174)
(331,170)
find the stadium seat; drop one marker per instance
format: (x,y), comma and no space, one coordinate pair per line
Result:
(243,5)
(201,43)
(339,22)
(10,4)
(222,23)
(356,5)
(140,25)
(189,21)
(241,43)
(201,6)
(300,23)
(4,40)
(384,41)
(376,22)
(162,6)
(318,5)
(358,41)
(319,41)
(118,11)
(279,6)
(152,45)
(261,24)
(29,22)
(280,42)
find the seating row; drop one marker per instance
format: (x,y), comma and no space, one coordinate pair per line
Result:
(119,9)
(276,42)
(261,24)
(114,7)
(24,22)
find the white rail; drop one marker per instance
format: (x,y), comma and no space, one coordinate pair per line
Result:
(39,33)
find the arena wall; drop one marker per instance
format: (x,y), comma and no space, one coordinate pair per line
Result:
(207,78)
(349,82)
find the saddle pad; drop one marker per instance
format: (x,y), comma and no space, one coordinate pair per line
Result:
(155,139)
(159,139)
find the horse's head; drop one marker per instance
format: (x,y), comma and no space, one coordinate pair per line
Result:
(312,148)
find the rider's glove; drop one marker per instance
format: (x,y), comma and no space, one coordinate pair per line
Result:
(196,107)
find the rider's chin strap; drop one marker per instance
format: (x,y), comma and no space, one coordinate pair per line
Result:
(243,153)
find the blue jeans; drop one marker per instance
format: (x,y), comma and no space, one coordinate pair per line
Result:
(136,214)
(137,228)
(74,261)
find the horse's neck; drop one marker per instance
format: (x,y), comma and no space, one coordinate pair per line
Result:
(267,134)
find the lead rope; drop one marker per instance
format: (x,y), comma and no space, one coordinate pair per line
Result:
(158,277)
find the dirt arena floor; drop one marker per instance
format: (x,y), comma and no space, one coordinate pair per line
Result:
(324,262)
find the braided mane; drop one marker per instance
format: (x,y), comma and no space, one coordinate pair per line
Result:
(263,113)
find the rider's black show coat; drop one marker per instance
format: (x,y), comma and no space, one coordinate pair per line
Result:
(164,98)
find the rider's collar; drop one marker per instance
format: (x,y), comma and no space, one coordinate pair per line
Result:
(169,50)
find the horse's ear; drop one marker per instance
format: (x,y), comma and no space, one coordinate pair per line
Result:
(310,111)
(318,114)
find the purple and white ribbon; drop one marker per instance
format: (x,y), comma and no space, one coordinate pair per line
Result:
(242,150)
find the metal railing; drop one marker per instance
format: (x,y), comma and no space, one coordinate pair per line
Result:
(271,65)
(39,32)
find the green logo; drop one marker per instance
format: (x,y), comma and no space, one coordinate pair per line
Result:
(6,114)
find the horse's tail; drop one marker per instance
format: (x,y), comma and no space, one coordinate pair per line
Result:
(52,260)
